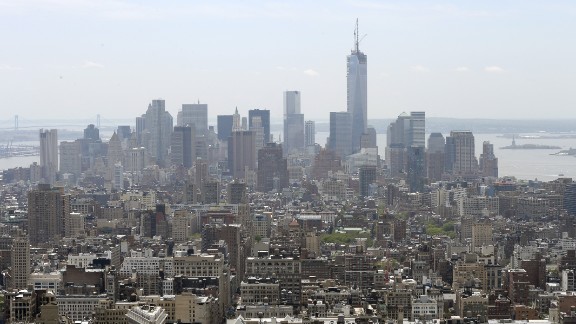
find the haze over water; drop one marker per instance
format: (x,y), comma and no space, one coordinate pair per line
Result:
(522,164)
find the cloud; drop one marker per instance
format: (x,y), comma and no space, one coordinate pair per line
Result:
(92,65)
(7,67)
(493,69)
(462,69)
(310,72)
(419,68)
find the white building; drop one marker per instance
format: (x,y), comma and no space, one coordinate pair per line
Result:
(51,281)
(79,307)
(424,308)
(147,314)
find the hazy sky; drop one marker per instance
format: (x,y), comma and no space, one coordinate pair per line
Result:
(489,59)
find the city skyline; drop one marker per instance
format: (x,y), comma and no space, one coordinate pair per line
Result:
(458,60)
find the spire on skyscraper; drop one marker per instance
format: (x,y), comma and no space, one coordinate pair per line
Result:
(357,88)
(357,38)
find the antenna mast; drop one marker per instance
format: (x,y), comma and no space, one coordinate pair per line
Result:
(356,41)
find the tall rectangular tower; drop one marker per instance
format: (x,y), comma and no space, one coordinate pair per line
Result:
(291,103)
(309,133)
(241,153)
(293,123)
(20,257)
(340,140)
(357,91)
(224,125)
(182,146)
(48,154)
(272,168)
(70,158)
(460,153)
(194,114)
(47,211)
(158,124)
(264,118)
(293,133)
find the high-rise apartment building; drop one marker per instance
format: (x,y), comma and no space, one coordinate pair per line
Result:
(309,133)
(264,118)
(20,258)
(48,154)
(194,114)
(157,130)
(241,153)
(224,126)
(460,157)
(237,193)
(272,168)
(481,235)
(357,92)
(48,209)
(340,140)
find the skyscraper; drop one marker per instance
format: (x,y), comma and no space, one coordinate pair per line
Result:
(460,157)
(236,121)
(340,140)
(194,114)
(158,124)
(256,127)
(241,153)
(272,168)
(224,125)
(416,168)
(182,148)
(293,133)
(291,103)
(293,123)
(309,133)
(70,158)
(265,118)
(115,152)
(92,133)
(357,94)
(435,156)
(20,257)
(488,161)
(48,154)
(367,176)
(47,210)
(418,128)
(406,132)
